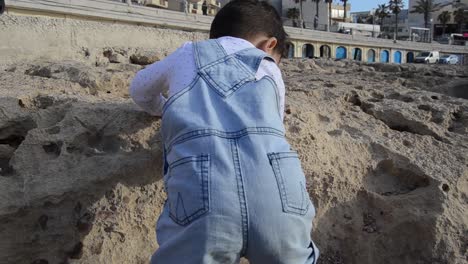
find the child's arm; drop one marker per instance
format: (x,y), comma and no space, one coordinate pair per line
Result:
(148,86)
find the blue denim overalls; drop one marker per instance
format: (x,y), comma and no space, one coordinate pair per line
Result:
(235,189)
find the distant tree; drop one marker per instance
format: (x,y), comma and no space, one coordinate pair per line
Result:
(444,18)
(294,14)
(460,18)
(301,16)
(345,3)
(395,7)
(370,19)
(317,2)
(381,12)
(425,7)
(329,2)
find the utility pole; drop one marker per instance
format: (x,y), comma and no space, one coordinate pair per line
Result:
(431,31)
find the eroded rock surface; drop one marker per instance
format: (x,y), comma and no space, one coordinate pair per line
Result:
(384,149)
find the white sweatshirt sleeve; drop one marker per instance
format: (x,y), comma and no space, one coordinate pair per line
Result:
(270,68)
(148,86)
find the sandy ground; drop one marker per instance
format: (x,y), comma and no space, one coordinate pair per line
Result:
(384,149)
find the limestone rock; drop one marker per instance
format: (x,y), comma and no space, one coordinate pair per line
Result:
(102,61)
(114,79)
(143,57)
(386,67)
(384,154)
(117,58)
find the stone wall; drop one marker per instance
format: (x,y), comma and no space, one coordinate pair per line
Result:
(25,38)
(63,28)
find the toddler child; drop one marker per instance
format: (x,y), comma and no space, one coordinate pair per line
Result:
(235,188)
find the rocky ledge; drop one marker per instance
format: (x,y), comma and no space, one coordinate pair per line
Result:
(384,148)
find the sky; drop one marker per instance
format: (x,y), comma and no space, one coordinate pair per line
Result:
(366,5)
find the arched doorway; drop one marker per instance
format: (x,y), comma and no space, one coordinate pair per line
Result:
(371,55)
(384,56)
(341,52)
(357,54)
(397,57)
(410,57)
(307,51)
(325,51)
(290,47)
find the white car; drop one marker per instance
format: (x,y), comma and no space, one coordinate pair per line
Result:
(427,57)
(449,59)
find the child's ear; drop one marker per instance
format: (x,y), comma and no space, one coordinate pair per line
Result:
(271,44)
(268,45)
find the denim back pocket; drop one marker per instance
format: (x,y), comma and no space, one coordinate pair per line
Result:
(291,182)
(187,187)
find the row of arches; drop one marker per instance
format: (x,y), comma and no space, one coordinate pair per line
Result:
(308,51)
(341,52)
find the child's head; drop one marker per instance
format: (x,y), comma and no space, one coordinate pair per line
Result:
(253,20)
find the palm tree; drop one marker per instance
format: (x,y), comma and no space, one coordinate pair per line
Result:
(381,12)
(460,18)
(329,2)
(301,17)
(317,2)
(370,19)
(293,13)
(395,6)
(345,3)
(444,18)
(425,7)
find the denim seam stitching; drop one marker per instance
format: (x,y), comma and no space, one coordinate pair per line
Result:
(218,48)
(241,193)
(275,89)
(187,160)
(176,96)
(258,59)
(225,93)
(222,134)
(221,88)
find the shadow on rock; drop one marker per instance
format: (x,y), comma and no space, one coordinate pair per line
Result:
(78,185)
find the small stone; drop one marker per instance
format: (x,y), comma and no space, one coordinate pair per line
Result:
(145,57)
(117,58)
(102,61)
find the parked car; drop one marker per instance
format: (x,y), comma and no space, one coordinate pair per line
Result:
(449,59)
(427,57)
(443,40)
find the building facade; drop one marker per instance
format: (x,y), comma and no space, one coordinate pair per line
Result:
(338,13)
(389,23)
(436,27)
(309,9)
(194,6)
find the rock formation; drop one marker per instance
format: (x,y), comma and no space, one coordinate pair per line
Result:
(384,148)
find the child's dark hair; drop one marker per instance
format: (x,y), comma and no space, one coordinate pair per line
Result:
(248,19)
